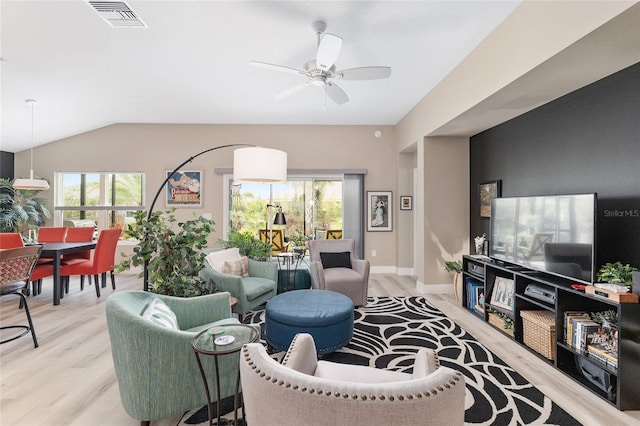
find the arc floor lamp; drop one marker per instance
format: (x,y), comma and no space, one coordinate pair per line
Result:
(251,163)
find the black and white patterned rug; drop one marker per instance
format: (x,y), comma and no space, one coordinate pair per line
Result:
(389,331)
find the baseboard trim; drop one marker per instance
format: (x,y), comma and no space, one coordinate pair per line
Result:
(383,270)
(406,271)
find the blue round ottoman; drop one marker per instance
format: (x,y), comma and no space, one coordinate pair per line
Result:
(326,315)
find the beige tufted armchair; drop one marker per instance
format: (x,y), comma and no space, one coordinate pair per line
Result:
(303,390)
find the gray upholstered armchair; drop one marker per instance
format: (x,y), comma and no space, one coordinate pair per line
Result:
(155,365)
(339,271)
(252,291)
(305,391)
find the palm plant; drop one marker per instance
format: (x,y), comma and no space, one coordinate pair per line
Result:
(20,208)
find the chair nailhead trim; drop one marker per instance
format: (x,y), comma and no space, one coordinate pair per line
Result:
(454,381)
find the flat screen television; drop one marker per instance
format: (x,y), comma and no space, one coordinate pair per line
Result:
(551,233)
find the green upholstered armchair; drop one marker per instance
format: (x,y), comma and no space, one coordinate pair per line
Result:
(155,366)
(252,291)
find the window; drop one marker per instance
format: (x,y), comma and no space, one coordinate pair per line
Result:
(108,199)
(309,205)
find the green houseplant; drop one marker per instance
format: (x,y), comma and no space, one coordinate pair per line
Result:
(172,249)
(616,273)
(248,245)
(20,208)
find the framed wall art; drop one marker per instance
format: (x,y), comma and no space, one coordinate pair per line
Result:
(502,294)
(184,188)
(379,211)
(487,191)
(406,202)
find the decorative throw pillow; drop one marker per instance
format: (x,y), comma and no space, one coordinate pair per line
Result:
(159,313)
(237,267)
(217,258)
(336,260)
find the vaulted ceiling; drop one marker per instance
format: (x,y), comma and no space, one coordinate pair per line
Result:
(190,63)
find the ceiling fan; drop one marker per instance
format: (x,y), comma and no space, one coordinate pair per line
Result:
(322,69)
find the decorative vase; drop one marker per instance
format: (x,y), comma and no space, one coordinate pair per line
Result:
(457,286)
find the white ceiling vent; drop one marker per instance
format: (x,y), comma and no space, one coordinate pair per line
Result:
(118,14)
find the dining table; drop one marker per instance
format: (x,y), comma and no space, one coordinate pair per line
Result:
(56,251)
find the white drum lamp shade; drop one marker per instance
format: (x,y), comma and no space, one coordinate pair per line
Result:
(259,165)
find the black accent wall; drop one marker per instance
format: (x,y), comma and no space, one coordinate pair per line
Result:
(6,164)
(586,141)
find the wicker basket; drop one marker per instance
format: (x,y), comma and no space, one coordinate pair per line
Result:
(538,332)
(498,322)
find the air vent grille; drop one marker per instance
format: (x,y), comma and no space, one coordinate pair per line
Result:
(118,14)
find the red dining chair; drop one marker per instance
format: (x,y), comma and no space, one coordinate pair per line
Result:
(101,262)
(16,265)
(46,234)
(40,271)
(10,240)
(52,234)
(81,234)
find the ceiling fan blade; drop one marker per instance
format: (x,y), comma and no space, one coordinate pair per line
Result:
(364,73)
(274,67)
(328,51)
(336,94)
(289,92)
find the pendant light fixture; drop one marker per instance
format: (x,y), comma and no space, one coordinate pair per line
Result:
(31,184)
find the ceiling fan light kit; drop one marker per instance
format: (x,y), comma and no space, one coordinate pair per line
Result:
(320,70)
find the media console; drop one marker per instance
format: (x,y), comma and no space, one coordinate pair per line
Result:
(554,297)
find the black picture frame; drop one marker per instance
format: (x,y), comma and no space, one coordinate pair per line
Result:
(406,202)
(379,211)
(487,191)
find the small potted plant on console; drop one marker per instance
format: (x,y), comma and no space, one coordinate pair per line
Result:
(616,273)
(614,282)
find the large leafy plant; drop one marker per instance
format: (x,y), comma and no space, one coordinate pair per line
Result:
(20,208)
(173,251)
(248,245)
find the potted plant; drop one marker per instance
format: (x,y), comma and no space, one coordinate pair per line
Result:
(20,208)
(616,273)
(173,251)
(298,242)
(455,266)
(248,245)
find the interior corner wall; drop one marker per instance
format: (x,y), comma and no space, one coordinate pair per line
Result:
(446,205)
(6,165)
(587,141)
(405,218)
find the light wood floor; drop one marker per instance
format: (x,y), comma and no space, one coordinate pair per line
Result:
(69,379)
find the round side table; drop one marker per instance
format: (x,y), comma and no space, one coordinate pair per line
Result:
(289,260)
(204,343)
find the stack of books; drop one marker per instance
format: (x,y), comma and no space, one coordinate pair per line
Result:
(589,337)
(475,296)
